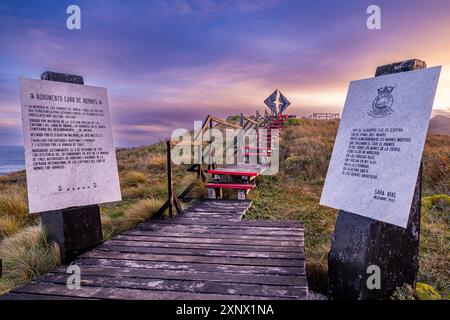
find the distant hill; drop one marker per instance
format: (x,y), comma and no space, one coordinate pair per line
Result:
(440,124)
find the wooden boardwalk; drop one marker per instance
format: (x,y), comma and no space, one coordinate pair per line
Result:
(207,252)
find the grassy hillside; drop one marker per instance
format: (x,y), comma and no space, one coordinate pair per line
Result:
(294,193)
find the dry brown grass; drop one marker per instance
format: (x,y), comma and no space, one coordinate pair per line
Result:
(27,254)
(140,211)
(152,162)
(132,179)
(436,165)
(13,213)
(306,149)
(435,242)
(294,194)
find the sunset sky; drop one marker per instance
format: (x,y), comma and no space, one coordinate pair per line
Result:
(168,63)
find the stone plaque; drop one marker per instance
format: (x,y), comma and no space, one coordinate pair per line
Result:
(379,144)
(69,151)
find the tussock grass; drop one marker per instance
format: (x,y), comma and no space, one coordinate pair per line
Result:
(13,213)
(132,179)
(135,192)
(13,204)
(199,190)
(306,148)
(13,179)
(152,162)
(435,242)
(436,165)
(27,254)
(140,212)
(109,227)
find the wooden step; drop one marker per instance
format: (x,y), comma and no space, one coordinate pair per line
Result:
(240,186)
(254,154)
(233,173)
(257,148)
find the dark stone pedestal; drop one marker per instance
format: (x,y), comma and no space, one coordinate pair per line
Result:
(359,242)
(76,230)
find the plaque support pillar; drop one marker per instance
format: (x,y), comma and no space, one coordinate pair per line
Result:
(76,229)
(359,242)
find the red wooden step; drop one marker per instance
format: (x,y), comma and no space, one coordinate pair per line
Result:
(255,154)
(233,173)
(240,186)
(257,148)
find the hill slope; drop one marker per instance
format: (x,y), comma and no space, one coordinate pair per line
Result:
(293,194)
(440,124)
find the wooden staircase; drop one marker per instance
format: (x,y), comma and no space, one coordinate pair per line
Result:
(251,160)
(242,176)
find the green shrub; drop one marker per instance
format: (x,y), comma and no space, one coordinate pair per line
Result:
(426,292)
(234,118)
(292,122)
(439,204)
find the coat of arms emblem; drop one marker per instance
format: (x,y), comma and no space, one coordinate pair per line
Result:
(382,105)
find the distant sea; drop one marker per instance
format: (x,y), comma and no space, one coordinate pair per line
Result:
(12,159)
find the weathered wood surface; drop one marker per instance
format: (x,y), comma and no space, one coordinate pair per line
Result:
(241,169)
(208,252)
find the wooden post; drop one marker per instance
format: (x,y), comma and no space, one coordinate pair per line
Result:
(77,229)
(172,198)
(359,242)
(169,178)
(210,164)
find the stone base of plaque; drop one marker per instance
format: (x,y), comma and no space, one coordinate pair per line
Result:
(75,230)
(359,242)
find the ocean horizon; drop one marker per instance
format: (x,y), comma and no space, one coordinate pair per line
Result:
(12,158)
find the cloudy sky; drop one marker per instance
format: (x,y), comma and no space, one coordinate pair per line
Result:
(168,63)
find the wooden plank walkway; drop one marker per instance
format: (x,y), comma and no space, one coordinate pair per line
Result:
(208,252)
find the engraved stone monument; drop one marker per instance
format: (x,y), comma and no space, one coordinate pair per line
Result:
(70,158)
(373,179)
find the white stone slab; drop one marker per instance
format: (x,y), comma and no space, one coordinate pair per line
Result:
(379,144)
(69,151)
